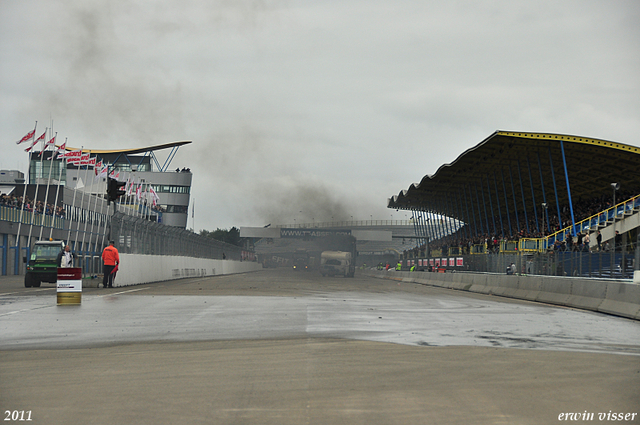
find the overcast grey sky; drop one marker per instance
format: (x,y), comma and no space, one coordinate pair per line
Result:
(313,110)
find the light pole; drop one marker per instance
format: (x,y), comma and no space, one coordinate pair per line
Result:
(614,188)
(544,213)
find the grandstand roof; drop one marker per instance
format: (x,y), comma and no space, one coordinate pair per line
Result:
(531,161)
(132,151)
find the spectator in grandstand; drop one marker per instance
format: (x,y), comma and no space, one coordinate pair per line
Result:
(586,241)
(599,240)
(618,241)
(557,245)
(579,242)
(569,241)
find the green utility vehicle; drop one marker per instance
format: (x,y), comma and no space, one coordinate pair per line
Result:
(42,267)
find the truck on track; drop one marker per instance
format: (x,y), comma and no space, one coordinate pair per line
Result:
(334,263)
(301,260)
(41,266)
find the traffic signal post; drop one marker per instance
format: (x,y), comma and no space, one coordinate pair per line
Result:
(115,189)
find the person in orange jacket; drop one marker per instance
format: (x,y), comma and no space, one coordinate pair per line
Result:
(111,259)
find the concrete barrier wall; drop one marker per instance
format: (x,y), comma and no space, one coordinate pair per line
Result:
(136,269)
(606,296)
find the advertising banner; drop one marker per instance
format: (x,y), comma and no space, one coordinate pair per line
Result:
(310,233)
(69,285)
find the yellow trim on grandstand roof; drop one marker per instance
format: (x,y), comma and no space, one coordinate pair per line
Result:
(591,164)
(569,138)
(133,151)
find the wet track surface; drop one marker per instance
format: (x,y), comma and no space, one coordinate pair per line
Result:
(281,304)
(285,348)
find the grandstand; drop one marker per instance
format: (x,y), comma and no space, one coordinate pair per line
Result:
(539,199)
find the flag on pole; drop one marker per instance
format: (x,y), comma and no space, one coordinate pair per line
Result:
(85,159)
(97,169)
(59,151)
(51,142)
(35,142)
(79,158)
(62,149)
(154,196)
(28,136)
(130,188)
(101,170)
(72,157)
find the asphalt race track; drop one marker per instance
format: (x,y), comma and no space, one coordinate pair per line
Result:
(286,347)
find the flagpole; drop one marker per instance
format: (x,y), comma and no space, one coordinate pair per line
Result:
(104,229)
(35,198)
(140,196)
(24,195)
(86,221)
(126,193)
(95,208)
(73,205)
(46,195)
(55,205)
(117,201)
(148,202)
(143,198)
(147,215)
(126,196)
(136,206)
(86,172)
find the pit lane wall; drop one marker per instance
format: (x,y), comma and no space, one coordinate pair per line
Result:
(135,269)
(606,296)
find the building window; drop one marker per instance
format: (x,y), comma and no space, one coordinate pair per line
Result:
(180,209)
(171,189)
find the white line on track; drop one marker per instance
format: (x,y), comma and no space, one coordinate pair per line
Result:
(34,290)
(25,309)
(123,292)
(47,306)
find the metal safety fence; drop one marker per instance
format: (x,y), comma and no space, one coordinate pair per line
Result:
(615,265)
(134,235)
(14,215)
(618,264)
